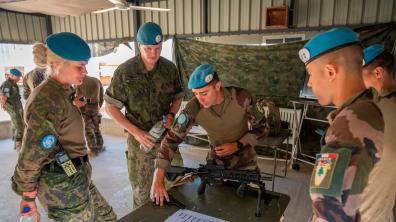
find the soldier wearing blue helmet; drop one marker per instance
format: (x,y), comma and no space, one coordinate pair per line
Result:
(378,72)
(10,101)
(227,115)
(353,142)
(53,165)
(150,88)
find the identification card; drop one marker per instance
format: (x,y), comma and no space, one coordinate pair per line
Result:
(65,162)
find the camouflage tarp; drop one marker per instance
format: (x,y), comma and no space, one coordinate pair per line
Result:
(273,71)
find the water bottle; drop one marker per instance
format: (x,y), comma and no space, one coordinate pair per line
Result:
(156,131)
(26,218)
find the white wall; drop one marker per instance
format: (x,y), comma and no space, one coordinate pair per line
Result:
(21,55)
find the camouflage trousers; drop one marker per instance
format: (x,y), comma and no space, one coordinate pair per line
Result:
(141,170)
(73,198)
(244,159)
(16,114)
(92,120)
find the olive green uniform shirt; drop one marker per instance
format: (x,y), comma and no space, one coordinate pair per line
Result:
(146,96)
(10,89)
(32,79)
(231,121)
(49,110)
(92,90)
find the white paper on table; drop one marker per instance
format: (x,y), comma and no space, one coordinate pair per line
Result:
(191,216)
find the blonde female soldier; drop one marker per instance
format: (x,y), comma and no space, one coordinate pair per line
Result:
(53,164)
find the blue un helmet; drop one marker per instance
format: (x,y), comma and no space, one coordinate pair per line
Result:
(15,72)
(149,34)
(202,76)
(325,42)
(69,46)
(371,53)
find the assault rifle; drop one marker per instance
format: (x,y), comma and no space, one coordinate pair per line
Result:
(214,174)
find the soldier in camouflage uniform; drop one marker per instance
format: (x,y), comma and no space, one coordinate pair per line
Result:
(53,164)
(10,101)
(32,79)
(378,198)
(92,90)
(353,142)
(227,116)
(149,87)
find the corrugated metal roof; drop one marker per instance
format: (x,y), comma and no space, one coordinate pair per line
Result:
(96,27)
(186,18)
(21,28)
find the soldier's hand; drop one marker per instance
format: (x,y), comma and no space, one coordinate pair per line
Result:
(33,212)
(169,121)
(158,192)
(3,100)
(143,138)
(78,103)
(226,149)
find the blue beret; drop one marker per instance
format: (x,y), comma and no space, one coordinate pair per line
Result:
(149,34)
(371,53)
(69,46)
(15,72)
(327,41)
(201,76)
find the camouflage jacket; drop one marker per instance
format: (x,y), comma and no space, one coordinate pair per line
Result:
(231,121)
(353,144)
(49,111)
(92,90)
(10,89)
(379,196)
(147,96)
(32,79)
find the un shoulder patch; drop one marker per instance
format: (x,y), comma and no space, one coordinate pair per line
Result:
(180,123)
(48,141)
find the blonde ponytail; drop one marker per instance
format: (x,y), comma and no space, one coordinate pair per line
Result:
(44,57)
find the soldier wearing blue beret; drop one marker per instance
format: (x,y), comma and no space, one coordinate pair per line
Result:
(226,114)
(378,72)
(353,142)
(150,88)
(10,101)
(53,165)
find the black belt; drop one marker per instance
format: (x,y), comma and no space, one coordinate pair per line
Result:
(78,161)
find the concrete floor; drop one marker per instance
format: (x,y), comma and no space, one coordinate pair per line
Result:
(111,178)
